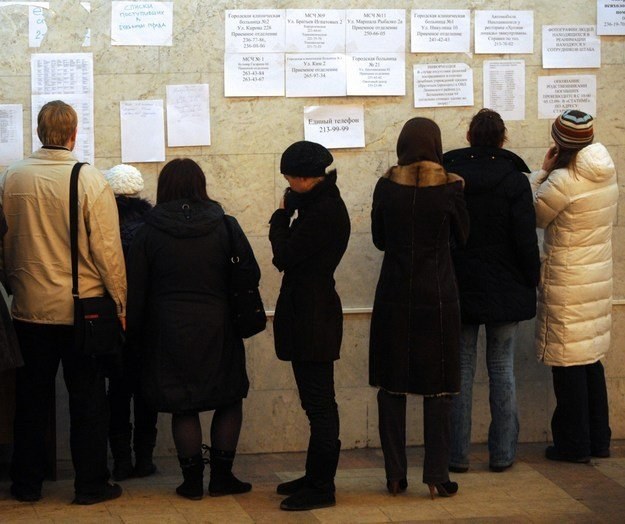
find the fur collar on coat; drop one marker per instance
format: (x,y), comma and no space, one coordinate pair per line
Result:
(422,174)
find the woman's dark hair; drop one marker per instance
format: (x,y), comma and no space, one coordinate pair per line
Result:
(487,129)
(566,158)
(181,178)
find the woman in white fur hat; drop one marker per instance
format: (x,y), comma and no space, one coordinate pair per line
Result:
(127,183)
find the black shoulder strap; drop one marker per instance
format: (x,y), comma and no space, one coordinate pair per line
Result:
(73,224)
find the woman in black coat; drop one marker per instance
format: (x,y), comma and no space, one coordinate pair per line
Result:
(308,323)
(497,271)
(418,210)
(180,320)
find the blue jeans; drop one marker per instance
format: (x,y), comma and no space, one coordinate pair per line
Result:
(503,432)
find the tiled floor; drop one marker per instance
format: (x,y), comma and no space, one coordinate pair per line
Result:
(534,490)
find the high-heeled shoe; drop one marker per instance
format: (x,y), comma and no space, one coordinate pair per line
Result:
(396,486)
(444,489)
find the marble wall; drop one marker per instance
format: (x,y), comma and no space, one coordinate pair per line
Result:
(249,135)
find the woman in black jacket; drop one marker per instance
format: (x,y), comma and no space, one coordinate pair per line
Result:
(308,323)
(179,319)
(417,209)
(497,271)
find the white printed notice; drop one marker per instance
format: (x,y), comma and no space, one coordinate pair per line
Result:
(335,127)
(376,74)
(611,17)
(255,31)
(375,31)
(254,75)
(440,31)
(188,116)
(142,23)
(503,32)
(67,77)
(37,27)
(315,30)
(11,133)
(504,88)
(559,93)
(570,46)
(315,75)
(443,85)
(143,130)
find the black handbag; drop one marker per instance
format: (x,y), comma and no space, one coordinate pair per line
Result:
(246,304)
(97,330)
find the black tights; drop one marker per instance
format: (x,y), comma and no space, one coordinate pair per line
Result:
(225,430)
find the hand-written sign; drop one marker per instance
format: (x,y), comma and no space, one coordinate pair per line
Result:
(142,23)
(335,126)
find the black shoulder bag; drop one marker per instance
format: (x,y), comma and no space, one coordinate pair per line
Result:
(96,326)
(246,304)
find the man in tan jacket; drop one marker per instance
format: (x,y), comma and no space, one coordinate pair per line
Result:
(36,249)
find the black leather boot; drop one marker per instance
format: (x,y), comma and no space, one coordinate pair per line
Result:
(144,442)
(193,473)
(319,488)
(222,481)
(120,449)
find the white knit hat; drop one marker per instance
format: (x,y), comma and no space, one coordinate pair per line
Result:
(124,179)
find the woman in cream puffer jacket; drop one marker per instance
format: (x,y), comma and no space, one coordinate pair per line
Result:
(575,197)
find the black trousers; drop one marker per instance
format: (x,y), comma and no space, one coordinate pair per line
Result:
(43,346)
(122,391)
(581,422)
(315,385)
(436,433)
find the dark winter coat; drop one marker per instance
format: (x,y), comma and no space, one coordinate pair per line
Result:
(415,325)
(308,323)
(178,312)
(499,267)
(132,212)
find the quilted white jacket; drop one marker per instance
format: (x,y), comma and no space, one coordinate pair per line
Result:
(576,210)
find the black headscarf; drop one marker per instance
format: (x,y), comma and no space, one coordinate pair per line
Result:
(420,139)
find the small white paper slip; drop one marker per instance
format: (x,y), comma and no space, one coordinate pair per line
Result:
(375,31)
(142,23)
(254,74)
(571,46)
(504,32)
(188,116)
(611,17)
(440,31)
(255,30)
(11,133)
(504,88)
(336,126)
(142,130)
(376,74)
(315,30)
(315,75)
(37,27)
(443,85)
(559,93)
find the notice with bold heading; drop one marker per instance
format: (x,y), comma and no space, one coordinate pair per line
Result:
(255,30)
(611,17)
(188,117)
(11,133)
(504,88)
(440,31)
(142,23)
(375,31)
(143,130)
(376,74)
(335,126)
(559,93)
(571,46)
(315,75)
(443,85)
(504,32)
(254,74)
(315,30)
(67,77)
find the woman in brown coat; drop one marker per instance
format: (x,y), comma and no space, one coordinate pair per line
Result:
(418,210)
